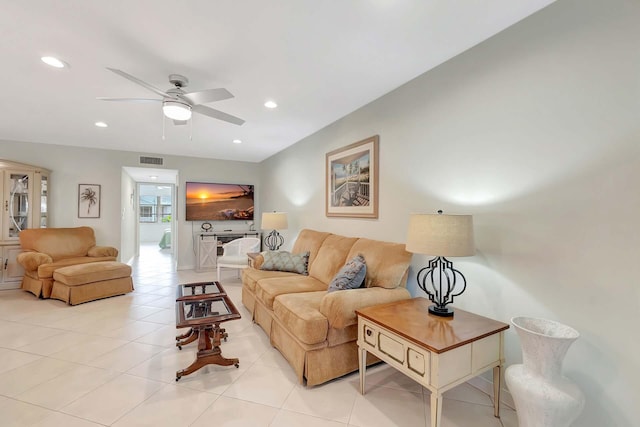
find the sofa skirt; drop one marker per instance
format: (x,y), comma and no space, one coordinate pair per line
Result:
(317,364)
(91,291)
(248,300)
(38,287)
(263,317)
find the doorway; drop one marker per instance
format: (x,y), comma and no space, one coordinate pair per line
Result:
(153,219)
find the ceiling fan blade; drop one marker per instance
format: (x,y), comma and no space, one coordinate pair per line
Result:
(205,96)
(102,98)
(207,111)
(140,82)
(180,122)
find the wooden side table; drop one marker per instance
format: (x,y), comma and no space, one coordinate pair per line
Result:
(437,352)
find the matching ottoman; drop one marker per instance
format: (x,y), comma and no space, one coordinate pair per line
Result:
(88,282)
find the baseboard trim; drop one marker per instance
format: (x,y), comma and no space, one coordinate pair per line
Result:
(486,386)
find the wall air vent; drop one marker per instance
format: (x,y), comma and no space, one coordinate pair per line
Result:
(146,160)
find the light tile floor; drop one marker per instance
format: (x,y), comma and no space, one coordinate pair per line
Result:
(113,362)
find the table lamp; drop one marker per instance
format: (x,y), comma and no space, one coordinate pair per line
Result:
(274,221)
(442,236)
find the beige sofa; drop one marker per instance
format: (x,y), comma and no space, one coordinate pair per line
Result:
(316,330)
(48,249)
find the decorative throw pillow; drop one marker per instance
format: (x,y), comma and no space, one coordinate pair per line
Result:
(350,276)
(285,261)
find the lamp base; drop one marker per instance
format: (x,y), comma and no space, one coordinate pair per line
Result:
(441,311)
(273,241)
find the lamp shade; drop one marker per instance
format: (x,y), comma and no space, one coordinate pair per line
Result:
(176,110)
(441,235)
(274,221)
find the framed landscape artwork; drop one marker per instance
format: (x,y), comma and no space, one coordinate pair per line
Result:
(88,201)
(352,180)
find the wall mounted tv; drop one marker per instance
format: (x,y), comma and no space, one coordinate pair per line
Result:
(218,202)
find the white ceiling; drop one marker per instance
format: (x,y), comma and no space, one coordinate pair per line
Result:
(153,175)
(320,60)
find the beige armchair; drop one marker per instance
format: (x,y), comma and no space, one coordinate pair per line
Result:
(48,249)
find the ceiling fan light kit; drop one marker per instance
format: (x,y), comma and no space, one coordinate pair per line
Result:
(176,110)
(54,62)
(178,104)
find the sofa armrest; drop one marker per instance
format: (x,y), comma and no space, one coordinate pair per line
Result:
(31,260)
(340,307)
(101,251)
(256,260)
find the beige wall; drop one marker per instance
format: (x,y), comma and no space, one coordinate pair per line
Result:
(536,133)
(128,218)
(71,166)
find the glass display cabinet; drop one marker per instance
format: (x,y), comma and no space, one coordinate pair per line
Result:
(24,190)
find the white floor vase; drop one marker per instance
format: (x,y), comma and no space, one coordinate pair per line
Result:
(543,397)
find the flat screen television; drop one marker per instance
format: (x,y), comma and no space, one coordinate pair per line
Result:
(208,201)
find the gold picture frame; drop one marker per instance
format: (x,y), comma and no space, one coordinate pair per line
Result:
(352,180)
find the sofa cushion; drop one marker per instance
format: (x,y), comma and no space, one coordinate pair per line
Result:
(309,240)
(100,251)
(388,263)
(46,270)
(80,274)
(350,276)
(331,257)
(268,289)
(251,276)
(285,261)
(299,312)
(59,242)
(340,307)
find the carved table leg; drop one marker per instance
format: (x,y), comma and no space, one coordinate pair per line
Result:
(185,335)
(208,351)
(187,338)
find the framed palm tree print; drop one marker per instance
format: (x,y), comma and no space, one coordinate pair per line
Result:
(88,201)
(352,180)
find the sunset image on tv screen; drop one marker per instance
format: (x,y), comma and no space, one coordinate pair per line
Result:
(218,202)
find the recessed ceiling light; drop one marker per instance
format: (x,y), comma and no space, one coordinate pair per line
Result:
(54,62)
(101,124)
(270,104)
(237,141)
(153,176)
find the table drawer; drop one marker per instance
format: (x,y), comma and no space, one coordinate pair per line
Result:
(370,335)
(417,361)
(392,347)
(395,350)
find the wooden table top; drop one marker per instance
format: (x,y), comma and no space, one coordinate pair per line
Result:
(207,310)
(196,291)
(411,320)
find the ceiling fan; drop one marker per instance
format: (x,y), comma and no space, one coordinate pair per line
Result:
(178,104)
